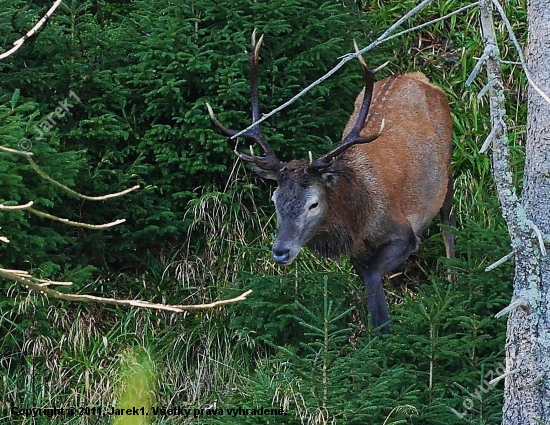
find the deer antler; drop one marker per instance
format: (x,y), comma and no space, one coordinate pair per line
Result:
(354,137)
(269,161)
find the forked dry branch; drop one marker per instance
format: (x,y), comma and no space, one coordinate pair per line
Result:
(42,285)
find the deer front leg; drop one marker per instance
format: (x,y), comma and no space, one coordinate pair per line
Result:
(372,268)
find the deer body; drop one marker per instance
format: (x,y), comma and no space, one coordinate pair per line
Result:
(370,197)
(405,172)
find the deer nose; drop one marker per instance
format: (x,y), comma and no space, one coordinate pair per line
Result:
(281,256)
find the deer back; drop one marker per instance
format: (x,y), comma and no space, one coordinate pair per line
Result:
(407,168)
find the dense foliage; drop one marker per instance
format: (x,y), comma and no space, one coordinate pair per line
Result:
(137,76)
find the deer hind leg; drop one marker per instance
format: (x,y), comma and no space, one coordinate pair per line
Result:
(371,269)
(448,221)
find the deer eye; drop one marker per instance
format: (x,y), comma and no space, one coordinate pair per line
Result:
(313,206)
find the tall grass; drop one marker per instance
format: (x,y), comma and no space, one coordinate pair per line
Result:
(239,355)
(81,359)
(274,349)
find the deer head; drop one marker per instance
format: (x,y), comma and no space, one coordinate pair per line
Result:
(301,196)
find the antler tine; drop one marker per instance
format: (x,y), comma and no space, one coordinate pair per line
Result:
(354,137)
(254,58)
(216,121)
(270,160)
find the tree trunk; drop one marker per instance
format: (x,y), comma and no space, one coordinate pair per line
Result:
(527,392)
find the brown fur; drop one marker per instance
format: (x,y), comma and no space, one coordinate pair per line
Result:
(370,197)
(403,175)
(373,200)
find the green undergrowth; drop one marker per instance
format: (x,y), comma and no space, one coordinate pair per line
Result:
(201,227)
(299,343)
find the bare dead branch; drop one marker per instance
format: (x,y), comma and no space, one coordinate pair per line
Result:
(519,50)
(433,21)
(520,302)
(486,88)
(497,130)
(18,43)
(540,378)
(30,283)
(41,282)
(495,381)
(481,61)
(28,207)
(45,176)
(499,262)
(70,191)
(16,152)
(44,282)
(540,237)
(75,223)
(16,207)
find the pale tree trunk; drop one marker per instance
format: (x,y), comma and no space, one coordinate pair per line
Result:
(527,392)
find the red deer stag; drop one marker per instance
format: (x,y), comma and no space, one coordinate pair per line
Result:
(370,196)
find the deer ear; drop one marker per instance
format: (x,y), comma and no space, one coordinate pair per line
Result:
(330,178)
(266,174)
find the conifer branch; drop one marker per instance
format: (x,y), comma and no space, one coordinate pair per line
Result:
(41,285)
(18,43)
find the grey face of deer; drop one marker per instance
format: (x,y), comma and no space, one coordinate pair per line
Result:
(300,203)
